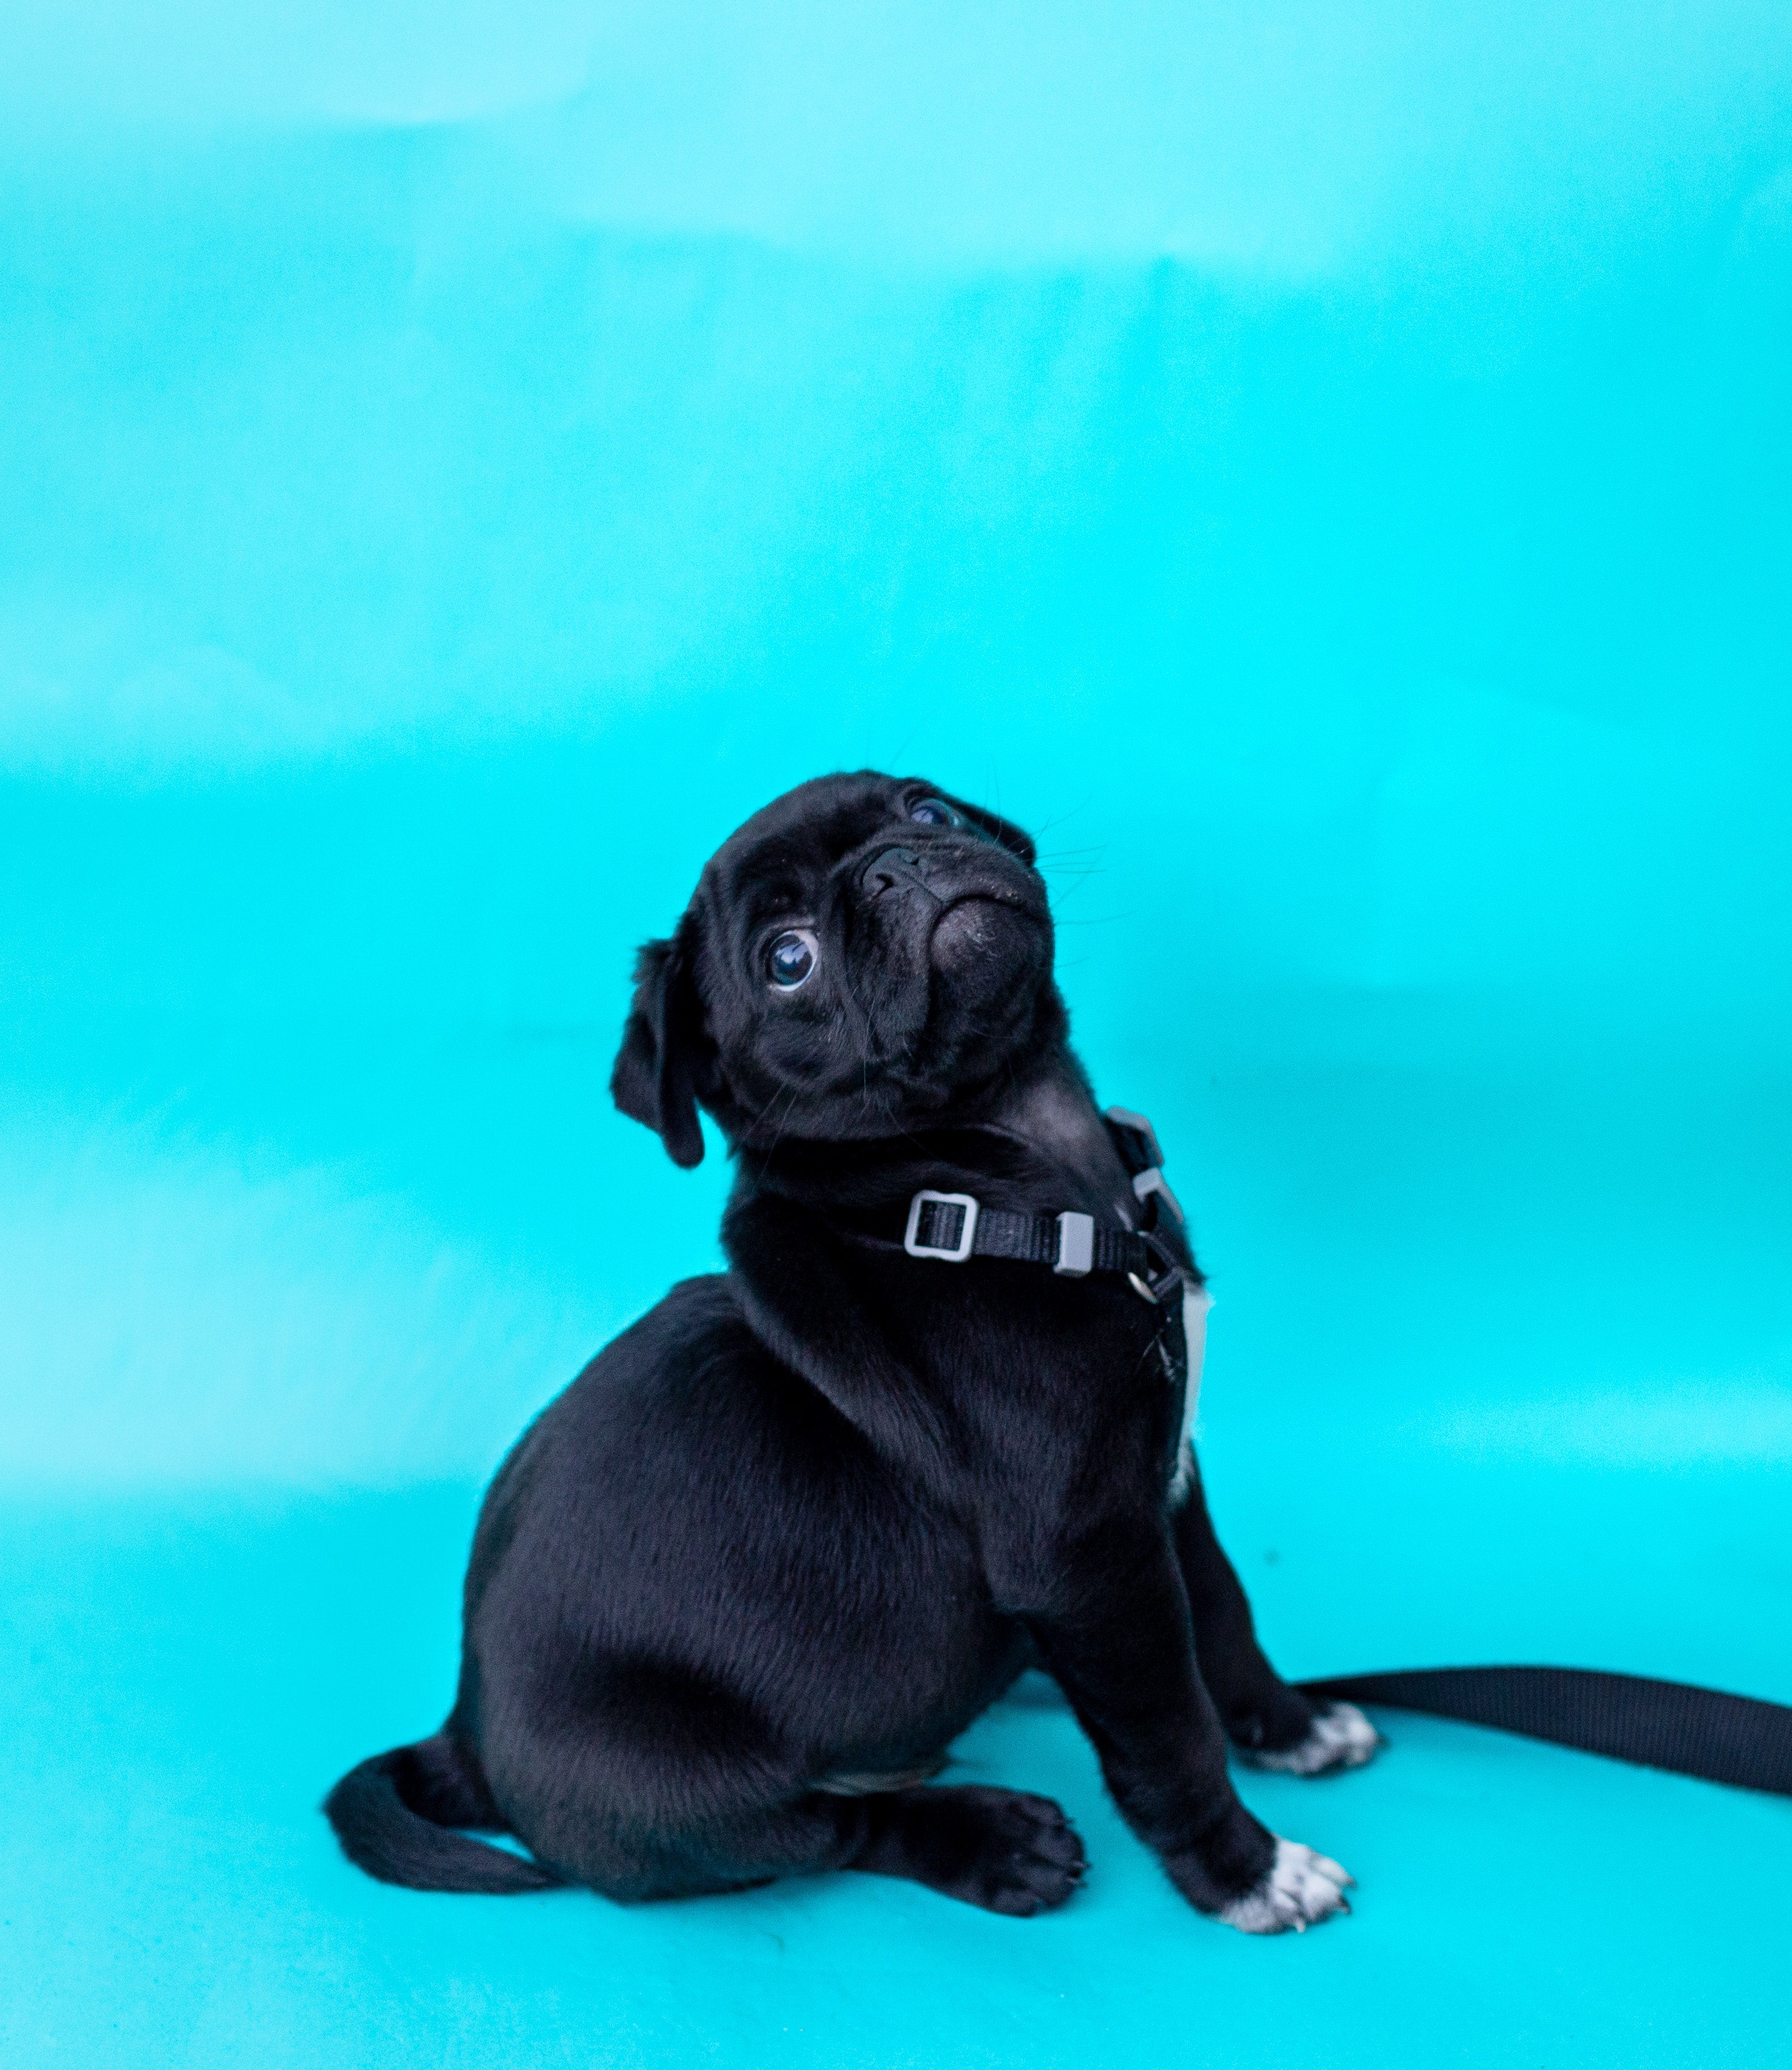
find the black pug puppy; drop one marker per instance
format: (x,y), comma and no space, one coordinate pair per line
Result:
(736,1592)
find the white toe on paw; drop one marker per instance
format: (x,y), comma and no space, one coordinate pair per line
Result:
(1340,1737)
(1301,1888)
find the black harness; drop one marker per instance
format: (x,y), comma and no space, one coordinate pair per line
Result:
(1672,1725)
(954,1228)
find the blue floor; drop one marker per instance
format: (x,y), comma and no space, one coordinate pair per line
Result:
(186,1678)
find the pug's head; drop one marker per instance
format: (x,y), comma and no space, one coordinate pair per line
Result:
(866,955)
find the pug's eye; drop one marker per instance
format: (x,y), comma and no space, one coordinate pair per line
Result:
(791,958)
(934,813)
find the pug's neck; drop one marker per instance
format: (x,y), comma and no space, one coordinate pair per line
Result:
(1054,1114)
(1037,1143)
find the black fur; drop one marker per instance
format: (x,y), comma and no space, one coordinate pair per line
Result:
(794,1530)
(389,1812)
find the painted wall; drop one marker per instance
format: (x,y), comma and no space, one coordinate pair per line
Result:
(1327,472)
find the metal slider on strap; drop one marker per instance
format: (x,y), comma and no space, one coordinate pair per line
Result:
(963,1232)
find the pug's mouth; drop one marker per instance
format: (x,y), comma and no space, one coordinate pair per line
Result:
(974,925)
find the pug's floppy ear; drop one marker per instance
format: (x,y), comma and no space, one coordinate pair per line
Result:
(654,1081)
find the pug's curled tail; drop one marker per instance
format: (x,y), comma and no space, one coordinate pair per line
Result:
(394,1815)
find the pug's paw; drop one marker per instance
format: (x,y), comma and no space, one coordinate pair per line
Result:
(1300,1889)
(1340,1737)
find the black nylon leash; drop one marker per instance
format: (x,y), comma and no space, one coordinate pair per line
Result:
(1740,1740)
(1674,1726)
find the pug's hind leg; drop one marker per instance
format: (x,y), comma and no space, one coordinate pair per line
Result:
(997,1848)
(1271,1724)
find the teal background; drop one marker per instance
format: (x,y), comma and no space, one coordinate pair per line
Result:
(1326,468)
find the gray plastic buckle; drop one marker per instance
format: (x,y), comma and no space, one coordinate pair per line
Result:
(1139,1126)
(948,1254)
(1145,1183)
(1076,1243)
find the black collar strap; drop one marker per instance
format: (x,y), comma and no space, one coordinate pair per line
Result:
(954,1228)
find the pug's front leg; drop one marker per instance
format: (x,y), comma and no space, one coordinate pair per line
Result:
(1119,1638)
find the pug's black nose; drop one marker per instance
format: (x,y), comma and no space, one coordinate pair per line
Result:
(893,870)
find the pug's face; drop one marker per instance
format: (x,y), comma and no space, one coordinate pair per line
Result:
(865,955)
